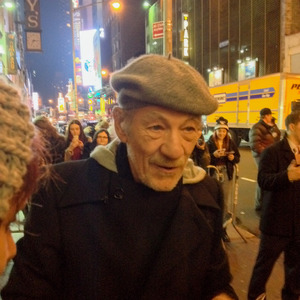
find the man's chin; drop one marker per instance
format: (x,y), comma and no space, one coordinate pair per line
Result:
(161,185)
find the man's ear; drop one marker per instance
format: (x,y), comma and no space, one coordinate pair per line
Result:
(291,127)
(118,115)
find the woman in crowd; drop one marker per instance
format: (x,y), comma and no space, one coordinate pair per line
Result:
(101,137)
(224,155)
(75,139)
(54,142)
(19,164)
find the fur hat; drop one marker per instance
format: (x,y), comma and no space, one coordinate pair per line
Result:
(163,81)
(222,123)
(16,137)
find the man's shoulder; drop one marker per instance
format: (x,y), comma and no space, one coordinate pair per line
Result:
(78,181)
(206,192)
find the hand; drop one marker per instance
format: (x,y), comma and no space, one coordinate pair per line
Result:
(74,143)
(293,171)
(217,154)
(230,156)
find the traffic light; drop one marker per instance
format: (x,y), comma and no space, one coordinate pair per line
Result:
(90,101)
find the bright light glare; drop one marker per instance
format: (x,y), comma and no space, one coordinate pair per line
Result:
(146,4)
(116,5)
(8,4)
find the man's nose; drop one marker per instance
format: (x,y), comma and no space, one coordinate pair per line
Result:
(173,146)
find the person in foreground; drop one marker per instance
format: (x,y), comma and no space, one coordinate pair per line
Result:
(279,177)
(18,164)
(139,220)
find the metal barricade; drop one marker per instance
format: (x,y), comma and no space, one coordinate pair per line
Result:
(234,196)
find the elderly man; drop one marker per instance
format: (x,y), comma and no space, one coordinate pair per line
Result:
(137,220)
(279,176)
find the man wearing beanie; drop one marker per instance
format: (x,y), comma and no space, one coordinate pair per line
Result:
(139,220)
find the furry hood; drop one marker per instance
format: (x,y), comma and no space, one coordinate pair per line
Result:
(105,156)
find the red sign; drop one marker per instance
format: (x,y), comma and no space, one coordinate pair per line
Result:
(158,30)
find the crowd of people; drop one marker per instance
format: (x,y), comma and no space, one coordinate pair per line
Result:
(109,213)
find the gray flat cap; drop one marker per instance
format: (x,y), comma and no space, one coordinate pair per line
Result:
(163,81)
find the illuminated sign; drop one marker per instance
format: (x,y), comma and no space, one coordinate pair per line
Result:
(185,27)
(158,30)
(87,50)
(61,103)
(247,69)
(215,77)
(32,15)
(11,51)
(35,100)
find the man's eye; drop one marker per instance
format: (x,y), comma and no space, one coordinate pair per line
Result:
(190,129)
(156,127)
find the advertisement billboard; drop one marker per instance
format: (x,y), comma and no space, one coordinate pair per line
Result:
(90,75)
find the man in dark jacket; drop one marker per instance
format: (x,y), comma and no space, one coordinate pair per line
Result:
(262,135)
(137,220)
(279,176)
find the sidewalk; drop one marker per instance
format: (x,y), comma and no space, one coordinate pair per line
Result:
(242,258)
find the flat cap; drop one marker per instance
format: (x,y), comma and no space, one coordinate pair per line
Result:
(163,81)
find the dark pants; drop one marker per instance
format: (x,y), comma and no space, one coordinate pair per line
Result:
(258,191)
(269,250)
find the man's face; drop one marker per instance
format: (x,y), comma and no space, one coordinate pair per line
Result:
(267,118)
(294,133)
(159,142)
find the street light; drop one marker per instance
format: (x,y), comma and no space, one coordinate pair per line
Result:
(116,5)
(7,4)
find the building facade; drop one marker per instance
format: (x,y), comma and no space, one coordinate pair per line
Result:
(256,37)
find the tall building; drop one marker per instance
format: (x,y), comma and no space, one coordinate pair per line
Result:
(12,64)
(125,30)
(232,35)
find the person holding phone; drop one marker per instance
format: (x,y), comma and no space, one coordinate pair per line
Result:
(75,139)
(224,155)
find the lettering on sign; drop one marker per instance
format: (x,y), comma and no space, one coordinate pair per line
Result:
(11,58)
(295,86)
(185,25)
(221,98)
(158,30)
(32,15)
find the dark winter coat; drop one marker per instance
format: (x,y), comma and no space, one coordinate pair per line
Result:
(262,136)
(100,235)
(281,205)
(215,161)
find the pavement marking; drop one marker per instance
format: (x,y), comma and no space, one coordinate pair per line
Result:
(248,179)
